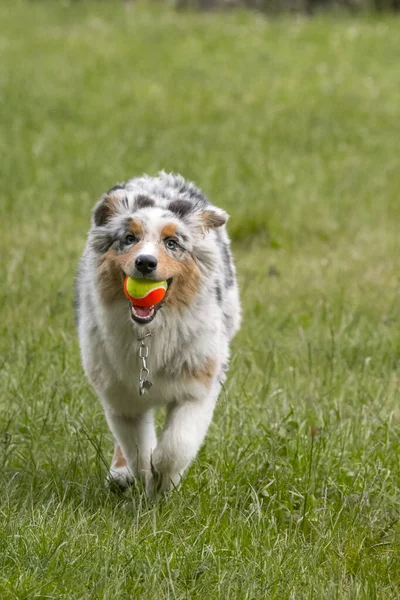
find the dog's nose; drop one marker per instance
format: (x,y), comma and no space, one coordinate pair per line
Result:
(146,263)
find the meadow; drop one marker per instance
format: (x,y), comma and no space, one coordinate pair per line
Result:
(292,126)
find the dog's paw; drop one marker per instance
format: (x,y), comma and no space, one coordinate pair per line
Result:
(154,484)
(120,478)
(159,483)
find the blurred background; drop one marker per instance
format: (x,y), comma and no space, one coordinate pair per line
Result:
(276,6)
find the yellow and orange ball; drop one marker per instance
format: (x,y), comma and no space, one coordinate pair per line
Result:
(144,292)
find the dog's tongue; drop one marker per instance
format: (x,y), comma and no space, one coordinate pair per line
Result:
(144,312)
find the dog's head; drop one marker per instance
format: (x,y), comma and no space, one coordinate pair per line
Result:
(156,228)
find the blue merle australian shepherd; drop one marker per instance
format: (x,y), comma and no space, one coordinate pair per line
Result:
(173,354)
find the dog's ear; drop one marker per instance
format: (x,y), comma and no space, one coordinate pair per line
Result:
(213,217)
(105,208)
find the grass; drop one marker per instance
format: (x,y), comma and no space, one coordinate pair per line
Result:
(292,126)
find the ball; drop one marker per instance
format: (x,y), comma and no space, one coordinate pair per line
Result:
(144,292)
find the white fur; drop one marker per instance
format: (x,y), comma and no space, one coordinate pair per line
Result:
(109,342)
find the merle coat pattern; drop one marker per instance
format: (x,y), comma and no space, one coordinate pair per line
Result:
(172,222)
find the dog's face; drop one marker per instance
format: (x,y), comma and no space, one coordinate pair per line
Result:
(154,237)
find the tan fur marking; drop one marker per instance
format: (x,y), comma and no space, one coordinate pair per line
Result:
(106,209)
(212,219)
(169,230)
(186,279)
(118,459)
(203,373)
(136,227)
(111,272)
(110,277)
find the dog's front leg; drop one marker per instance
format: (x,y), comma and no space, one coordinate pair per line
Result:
(184,431)
(136,437)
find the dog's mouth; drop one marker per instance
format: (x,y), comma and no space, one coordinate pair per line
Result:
(144,315)
(141,314)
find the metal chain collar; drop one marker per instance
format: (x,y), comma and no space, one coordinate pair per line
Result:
(144,383)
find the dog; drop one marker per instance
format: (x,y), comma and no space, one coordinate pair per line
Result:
(174,354)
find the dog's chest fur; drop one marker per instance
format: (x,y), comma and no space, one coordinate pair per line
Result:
(178,348)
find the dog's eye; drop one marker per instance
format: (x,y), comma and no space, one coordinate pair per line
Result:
(130,239)
(171,244)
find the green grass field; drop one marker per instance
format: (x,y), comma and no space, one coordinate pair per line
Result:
(293,127)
